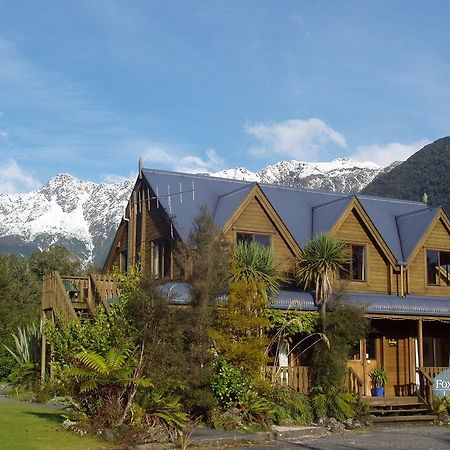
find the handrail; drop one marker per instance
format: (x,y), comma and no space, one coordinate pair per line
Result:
(54,296)
(425,387)
(355,382)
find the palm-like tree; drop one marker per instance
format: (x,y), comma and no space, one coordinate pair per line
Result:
(254,264)
(320,263)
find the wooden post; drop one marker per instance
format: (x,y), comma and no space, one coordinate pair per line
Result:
(143,232)
(420,341)
(364,364)
(43,351)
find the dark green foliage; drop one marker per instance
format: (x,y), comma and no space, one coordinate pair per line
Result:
(230,384)
(20,292)
(290,323)
(153,407)
(160,328)
(334,403)
(99,335)
(290,407)
(319,264)
(426,171)
(206,259)
(56,258)
(253,263)
(345,326)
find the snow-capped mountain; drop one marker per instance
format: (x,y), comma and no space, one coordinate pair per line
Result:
(341,175)
(83,216)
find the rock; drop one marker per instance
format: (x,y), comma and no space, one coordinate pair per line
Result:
(356,423)
(367,421)
(107,434)
(348,424)
(335,426)
(323,421)
(156,435)
(443,419)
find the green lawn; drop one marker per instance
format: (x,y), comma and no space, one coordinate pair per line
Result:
(24,426)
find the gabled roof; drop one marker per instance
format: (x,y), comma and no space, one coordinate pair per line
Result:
(412,226)
(326,215)
(185,207)
(304,213)
(383,213)
(228,203)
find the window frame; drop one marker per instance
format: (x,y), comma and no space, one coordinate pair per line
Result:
(267,234)
(439,284)
(365,271)
(161,262)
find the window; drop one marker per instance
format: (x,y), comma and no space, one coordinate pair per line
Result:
(438,268)
(355,270)
(123,261)
(161,258)
(262,239)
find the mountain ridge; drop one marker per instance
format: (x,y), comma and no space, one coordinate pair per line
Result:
(84,215)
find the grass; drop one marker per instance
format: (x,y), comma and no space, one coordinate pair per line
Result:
(26,426)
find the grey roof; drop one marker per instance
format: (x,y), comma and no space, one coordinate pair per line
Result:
(326,215)
(304,212)
(380,304)
(412,226)
(383,213)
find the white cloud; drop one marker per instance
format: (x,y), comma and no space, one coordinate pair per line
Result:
(387,154)
(175,159)
(298,139)
(113,178)
(3,134)
(14,179)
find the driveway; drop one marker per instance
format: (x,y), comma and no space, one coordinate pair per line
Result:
(406,437)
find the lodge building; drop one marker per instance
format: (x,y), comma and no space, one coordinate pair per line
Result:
(399,269)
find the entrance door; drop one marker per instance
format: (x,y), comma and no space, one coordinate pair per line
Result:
(398,354)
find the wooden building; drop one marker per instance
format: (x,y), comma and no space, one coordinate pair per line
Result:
(399,269)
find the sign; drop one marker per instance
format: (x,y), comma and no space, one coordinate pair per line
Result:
(441,384)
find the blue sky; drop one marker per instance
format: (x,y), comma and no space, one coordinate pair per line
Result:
(88,86)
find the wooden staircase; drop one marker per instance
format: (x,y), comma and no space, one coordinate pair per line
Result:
(399,409)
(76,298)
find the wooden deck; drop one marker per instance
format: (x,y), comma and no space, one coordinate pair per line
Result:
(72,297)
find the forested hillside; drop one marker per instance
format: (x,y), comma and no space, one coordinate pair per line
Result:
(427,171)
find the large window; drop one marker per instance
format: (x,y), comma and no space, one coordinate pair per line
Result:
(161,258)
(262,239)
(438,268)
(355,270)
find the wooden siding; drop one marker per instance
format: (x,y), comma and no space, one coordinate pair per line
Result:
(437,239)
(378,278)
(255,219)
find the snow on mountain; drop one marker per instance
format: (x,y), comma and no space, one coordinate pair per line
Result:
(341,175)
(83,216)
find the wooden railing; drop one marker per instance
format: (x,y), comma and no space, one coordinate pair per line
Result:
(425,392)
(299,378)
(68,294)
(56,297)
(295,377)
(433,371)
(353,382)
(426,378)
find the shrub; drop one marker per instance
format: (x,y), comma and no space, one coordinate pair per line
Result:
(334,403)
(291,407)
(230,384)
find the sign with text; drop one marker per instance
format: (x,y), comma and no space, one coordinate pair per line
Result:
(441,384)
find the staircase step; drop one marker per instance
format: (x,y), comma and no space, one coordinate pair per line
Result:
(418,418)
(398,411)
(80,305)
